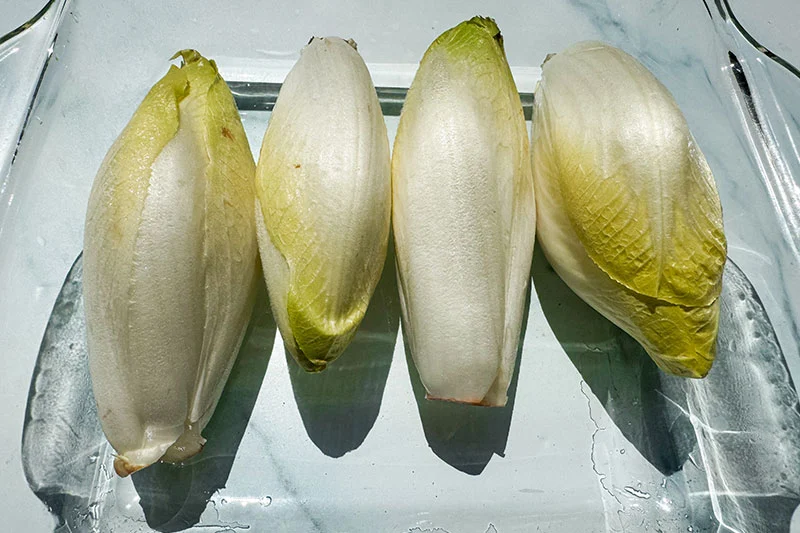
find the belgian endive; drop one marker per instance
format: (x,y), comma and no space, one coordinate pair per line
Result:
(323,201)
(628,212)
(463,216)
(170,260)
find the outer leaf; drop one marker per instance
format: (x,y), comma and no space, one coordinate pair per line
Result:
(464,215)
(169,263)
(230,247)
(628,212)
(323,187)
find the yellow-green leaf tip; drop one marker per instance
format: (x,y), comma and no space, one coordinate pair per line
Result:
(188,55)
(470,35)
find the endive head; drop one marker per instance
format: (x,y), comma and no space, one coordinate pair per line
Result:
(323,200)
(464,216)
(169,264)
(636,187)
(612,149)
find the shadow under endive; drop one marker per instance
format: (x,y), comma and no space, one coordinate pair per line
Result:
(339,405)
(743,418)
(462,435)
(61,431)
(646,405)
(173,496)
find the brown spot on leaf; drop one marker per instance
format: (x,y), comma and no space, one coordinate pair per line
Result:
(297,165)
(227,133)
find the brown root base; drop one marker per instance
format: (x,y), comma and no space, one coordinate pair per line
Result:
(123,468)
(479,403)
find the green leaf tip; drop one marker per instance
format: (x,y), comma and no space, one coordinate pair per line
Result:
(486,24)
(472,38)
(191,57)
(188,55)
(200,72)
(174,82)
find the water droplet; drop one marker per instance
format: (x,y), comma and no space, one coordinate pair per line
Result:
(690,529)
(223,501)
(664,483)
(266,501)
(622,451)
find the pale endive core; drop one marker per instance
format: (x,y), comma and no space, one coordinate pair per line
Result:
(169,265)
(463,216)
(628,212)
(324,200)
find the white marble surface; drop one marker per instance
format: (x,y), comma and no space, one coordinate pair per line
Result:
(36,253)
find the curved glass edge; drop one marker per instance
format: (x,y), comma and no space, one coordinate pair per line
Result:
(726,12)
(766,115)
(764,88)
(24,53)
(27,24)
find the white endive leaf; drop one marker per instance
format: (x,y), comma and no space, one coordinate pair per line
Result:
(628,211)
(169,265)
(464,216)
(323,200)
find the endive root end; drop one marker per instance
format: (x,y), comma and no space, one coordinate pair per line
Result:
(124,468)
(312,367)
(189,444)
(696,370)
(697,366)
(482,402)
